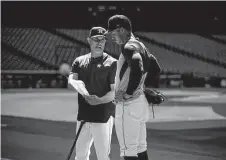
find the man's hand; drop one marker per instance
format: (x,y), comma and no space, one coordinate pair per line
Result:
(119,96)
(122,96)
(93,99)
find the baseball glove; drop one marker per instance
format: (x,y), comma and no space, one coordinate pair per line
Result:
(153,96)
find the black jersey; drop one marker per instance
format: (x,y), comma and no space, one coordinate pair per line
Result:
(97,74)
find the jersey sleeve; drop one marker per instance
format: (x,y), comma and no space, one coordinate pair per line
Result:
(75,66)
(112,72)
(135,62)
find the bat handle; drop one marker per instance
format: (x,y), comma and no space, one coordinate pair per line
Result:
(76,138)
(153,111)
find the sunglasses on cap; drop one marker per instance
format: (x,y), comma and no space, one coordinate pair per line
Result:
(98,39)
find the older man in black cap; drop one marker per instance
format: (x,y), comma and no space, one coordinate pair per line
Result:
(93,76)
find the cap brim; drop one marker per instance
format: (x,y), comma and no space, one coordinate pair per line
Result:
(107,32)
(97,36)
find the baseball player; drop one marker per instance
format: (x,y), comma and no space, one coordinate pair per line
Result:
(131,104)
(93,76)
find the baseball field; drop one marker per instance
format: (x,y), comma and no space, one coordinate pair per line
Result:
(40,124)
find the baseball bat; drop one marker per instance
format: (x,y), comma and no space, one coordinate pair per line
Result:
(76,138)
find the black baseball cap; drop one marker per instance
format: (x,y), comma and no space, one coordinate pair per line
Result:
(118,21)
(97,31)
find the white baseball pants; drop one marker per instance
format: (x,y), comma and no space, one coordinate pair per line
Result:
(100,134)
(130,125)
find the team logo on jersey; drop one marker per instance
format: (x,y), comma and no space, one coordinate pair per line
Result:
(99,65)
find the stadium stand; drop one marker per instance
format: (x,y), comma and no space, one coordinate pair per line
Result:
(82,34)
(177,63)
(221,38)
(201,45)
(35,49)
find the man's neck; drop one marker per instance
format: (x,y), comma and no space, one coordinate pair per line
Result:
(96,55)
(127,38)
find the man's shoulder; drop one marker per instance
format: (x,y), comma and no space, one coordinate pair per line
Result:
(109,58)
(132,45)
(82,57)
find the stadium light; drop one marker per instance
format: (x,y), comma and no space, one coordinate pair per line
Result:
(112,7)
(90,9)
(215,19)
(101,8)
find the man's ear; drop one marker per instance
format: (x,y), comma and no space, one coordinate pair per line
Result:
(122,30)
(88,40)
